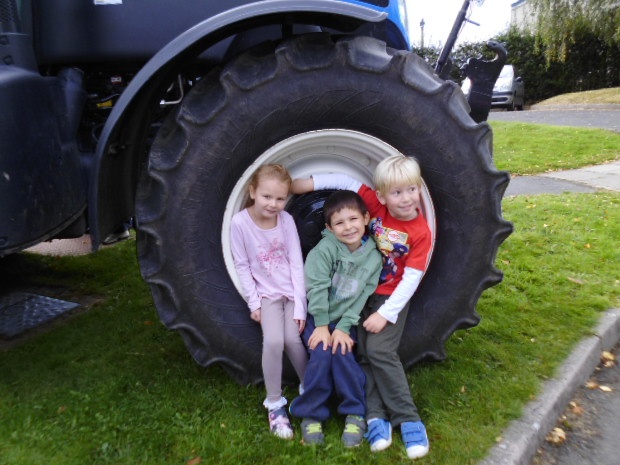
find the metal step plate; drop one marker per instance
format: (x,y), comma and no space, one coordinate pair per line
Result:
(20,311)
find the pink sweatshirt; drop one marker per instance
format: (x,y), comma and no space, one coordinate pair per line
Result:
(269,261)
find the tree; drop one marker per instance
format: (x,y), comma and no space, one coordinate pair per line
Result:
(561,23)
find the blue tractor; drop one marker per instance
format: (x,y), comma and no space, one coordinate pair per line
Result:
(160,111)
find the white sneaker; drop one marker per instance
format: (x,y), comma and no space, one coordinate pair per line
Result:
(279,424)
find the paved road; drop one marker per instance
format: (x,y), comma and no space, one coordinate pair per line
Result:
(591,116)
(591,423)
(588,179)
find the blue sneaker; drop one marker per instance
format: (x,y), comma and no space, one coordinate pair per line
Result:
(415,439)
(379,434)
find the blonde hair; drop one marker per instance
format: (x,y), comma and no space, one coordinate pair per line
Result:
(272,171)
(396,170)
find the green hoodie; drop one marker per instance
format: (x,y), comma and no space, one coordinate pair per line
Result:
(338,281)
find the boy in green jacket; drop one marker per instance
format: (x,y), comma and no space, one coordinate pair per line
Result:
(341,272)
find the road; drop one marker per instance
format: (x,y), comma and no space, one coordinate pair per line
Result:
(591,422)
(592,116)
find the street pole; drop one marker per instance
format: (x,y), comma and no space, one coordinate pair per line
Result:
(422,36)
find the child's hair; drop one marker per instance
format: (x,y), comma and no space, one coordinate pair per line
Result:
(397,170)
(273,171)
(342,199)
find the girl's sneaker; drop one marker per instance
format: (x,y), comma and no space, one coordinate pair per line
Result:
(379,434)
(279,424)
(415,439)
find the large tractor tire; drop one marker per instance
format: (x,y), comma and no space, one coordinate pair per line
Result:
(316,105)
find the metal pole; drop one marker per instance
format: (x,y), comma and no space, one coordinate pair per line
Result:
(456,27)
(422,36)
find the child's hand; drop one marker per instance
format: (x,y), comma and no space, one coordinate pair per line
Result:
(320,334)
(375,323)
(301,324)
(255,315)
(302,186)
(342,339)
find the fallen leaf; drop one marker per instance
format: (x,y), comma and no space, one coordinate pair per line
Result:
(592,385)
(195,461)
(576,408)
(463,389)
(556,436)
(608,357)
(575,280)
(605,389)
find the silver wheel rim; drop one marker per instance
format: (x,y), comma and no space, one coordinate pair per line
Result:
(316,152)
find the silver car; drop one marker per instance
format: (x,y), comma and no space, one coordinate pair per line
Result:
(508,92)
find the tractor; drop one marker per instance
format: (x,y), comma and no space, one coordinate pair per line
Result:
(159,111)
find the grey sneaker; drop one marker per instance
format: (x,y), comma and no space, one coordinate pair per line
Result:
(354,430)
(311,432)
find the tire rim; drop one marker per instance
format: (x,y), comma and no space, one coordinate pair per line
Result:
(316,152)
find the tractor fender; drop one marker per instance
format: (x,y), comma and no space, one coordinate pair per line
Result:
(121,148)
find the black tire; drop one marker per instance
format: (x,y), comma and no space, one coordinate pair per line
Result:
(355,90)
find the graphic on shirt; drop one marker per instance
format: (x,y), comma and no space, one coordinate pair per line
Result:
(393,246)
(272,256)
(343,287)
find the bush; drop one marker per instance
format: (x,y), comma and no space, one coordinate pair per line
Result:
(589,65)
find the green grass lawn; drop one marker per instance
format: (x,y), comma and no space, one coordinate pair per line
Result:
(523,149)
(112,386)
(597,97)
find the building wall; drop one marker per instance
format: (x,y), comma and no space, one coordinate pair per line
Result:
(522,15)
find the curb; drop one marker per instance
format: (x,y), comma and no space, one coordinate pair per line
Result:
(523,437)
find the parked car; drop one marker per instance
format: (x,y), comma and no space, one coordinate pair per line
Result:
(508,92)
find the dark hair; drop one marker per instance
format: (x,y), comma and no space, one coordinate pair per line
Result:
(342,199)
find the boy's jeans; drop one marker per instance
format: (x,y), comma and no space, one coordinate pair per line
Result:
(387,389)
(326,374)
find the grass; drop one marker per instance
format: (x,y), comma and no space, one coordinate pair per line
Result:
(112,386)
(597,97)
(523,149)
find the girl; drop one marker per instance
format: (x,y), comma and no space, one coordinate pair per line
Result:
(267,256)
